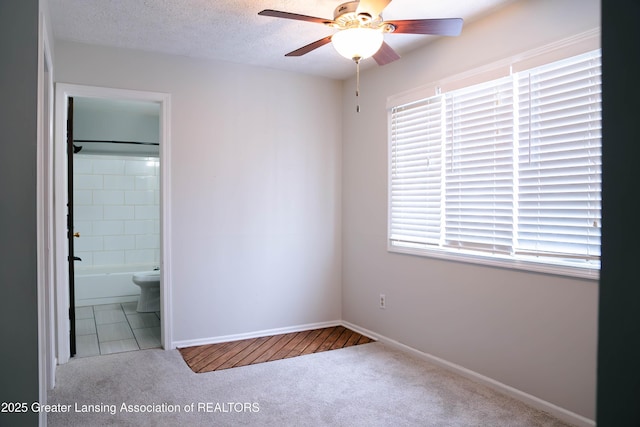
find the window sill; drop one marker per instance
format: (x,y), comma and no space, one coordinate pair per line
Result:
(501,262)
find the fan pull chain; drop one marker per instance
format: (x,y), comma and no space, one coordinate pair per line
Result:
(357,60)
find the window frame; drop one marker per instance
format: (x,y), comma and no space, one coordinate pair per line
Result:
(579,44)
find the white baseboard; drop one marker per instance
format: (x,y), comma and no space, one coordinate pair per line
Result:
(255,334)
(558,412)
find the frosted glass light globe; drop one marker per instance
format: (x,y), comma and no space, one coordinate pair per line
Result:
(358,43)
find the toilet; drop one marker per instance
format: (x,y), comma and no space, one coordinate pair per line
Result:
(149,283)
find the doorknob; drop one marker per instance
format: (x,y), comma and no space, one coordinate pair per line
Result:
(76,234)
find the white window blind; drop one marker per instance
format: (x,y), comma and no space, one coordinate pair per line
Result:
(508,168)
(560,159)
(416,168)
(479,167)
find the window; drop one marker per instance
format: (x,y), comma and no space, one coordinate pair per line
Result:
(506,172)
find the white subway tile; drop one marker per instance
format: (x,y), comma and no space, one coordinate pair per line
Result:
(138,256)
(139,197)
(147,212)
(108,228)
(81,165)
(153,163)
(148,241)
(88,243)
(116,243)
(119,212)
(108,166)
(108,258)
(146,182)
(108,197)
(116,210)
(87,213)
(87,258)
(85,228)
(117,182)
(87,182)
(82,197)
(137,167)
(140,227)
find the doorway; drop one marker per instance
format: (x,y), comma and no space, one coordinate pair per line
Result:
(114,211)
(119,209)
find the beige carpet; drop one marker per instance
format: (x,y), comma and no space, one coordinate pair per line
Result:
(365,385)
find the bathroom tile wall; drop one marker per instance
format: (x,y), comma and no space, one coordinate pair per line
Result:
(116,209)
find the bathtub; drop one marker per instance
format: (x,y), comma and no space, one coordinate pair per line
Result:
(107,284)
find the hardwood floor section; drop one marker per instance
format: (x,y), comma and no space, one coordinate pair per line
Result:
(214,357)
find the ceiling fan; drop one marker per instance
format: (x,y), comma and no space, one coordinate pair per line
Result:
(361,28)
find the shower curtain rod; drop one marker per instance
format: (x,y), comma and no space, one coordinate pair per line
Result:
(115,142)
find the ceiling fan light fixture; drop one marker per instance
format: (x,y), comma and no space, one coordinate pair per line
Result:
(357,43)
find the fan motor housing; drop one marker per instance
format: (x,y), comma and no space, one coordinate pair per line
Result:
(346,15)
(344,8)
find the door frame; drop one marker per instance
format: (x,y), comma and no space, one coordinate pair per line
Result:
(63,92)
(45,221)
(70,224)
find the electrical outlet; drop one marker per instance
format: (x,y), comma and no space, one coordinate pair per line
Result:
(383,301)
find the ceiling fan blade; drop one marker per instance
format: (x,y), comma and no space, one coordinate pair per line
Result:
(441,27)
(311,46)
(385,54)
(372,7)
(296,16)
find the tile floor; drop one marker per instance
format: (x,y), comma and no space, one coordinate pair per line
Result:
(114,328)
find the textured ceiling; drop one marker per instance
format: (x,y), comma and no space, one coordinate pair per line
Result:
(231,30)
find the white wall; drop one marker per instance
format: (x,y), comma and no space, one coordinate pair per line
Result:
(256,185)
(114,120)
(534,332)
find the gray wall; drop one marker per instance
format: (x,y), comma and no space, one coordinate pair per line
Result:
(531,331)
(255,187)
(18,263)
